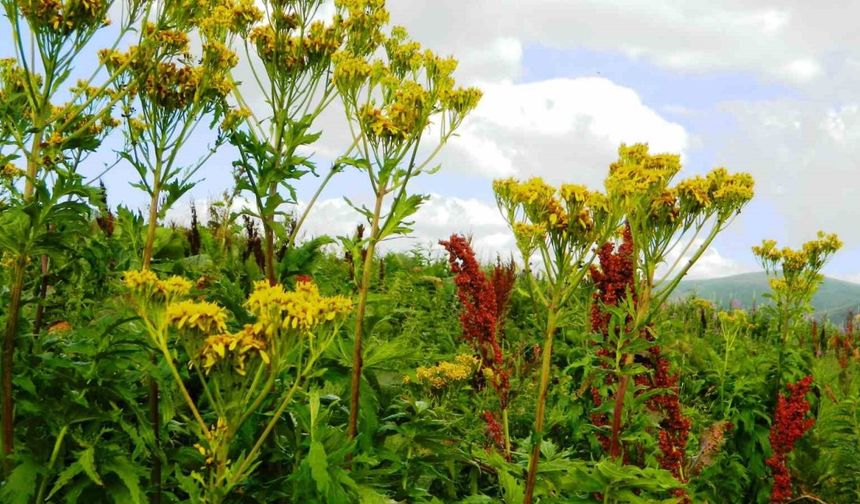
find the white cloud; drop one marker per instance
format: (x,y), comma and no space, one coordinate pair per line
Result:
(805,158)
(562,129)
(436,220)
(783,43)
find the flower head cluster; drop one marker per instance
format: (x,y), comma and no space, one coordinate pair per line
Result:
(363,21)
(302,309)
(538,211)
(161,69)
(445,373)
(10,172)
(640,180)
(795,273)
(789,425)
(200,316)
(294,54)
(413,85)
(229,17)
(233,350)
(146,285)
(59,17)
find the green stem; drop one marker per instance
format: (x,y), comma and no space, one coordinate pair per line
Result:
(184,391)
(546,364)
(359,315)
(43,486)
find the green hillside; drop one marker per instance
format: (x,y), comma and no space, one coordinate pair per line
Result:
(835,298)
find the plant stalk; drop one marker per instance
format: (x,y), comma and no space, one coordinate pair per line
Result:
(359,316)
(546,364)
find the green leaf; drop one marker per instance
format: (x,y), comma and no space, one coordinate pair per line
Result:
(318,462)
(512,491)
(65,476)
(21,484)
(129,476)
(87,459)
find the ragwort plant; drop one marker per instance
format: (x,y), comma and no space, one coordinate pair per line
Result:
(657,219)
(240,371)
(794,279)
(561,226)
(661,219)
(51,138)
(289,55)
(390,105)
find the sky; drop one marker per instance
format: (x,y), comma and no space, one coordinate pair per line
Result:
(769,88)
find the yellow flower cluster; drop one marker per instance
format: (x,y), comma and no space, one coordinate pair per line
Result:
(639,179)
(350,72)
(303,309)
(11,172)
(636,172)
(160,69)
(229,17)
(143,281)
(66,17)
(413,85)
(536,208)
(792,262)
(200,316)
(233,349)
(737,318)
(703,304)
(146,283)
(363,21)
(445,373)
(295,54)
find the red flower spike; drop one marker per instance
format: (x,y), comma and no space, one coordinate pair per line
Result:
(789,425)
(483,304)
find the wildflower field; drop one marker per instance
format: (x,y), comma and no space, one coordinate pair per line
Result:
(238,359)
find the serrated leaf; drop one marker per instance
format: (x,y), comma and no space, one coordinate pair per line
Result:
(65,476)
(129,476)
(21,483)
(318,463)
(87,459)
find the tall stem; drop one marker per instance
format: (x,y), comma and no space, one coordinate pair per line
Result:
(43,486)
(268,231)
(152,225)
(546,364)
(359,316)
(8,357)
(14,312)
(154,414)
(615,444)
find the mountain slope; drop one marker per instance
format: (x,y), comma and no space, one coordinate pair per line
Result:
(834,299)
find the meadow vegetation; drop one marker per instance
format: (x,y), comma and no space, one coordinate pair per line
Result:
(237,360)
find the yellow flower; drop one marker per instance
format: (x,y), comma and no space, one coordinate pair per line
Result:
(174,287)
(11,172)
(528,237)
(303,309)
(201,316)
(234,349)
(140,282)
(446,373)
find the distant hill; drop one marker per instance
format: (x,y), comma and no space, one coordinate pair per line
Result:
(834,299)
